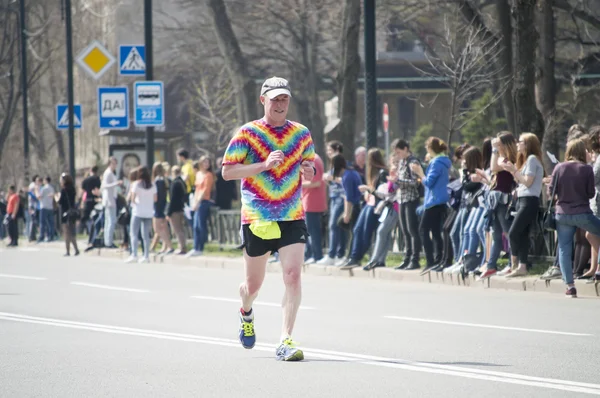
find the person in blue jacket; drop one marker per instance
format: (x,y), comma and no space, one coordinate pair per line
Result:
(435,180)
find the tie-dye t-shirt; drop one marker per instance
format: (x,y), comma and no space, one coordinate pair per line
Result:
(276,194)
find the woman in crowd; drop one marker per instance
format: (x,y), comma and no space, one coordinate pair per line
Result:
(504,150)
(142,196)
(201,204)
(528,173)
(435,181)
(594,145)
(573,185)
(408,198)
(68,209)
(387,211)
(472,160)
(337,236)
(368,221)
(159,222)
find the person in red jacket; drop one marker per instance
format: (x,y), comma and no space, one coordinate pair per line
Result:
(12,209)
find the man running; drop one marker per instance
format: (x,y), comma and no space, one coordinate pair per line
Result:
(271,156)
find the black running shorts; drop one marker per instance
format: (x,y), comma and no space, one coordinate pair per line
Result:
(291,232)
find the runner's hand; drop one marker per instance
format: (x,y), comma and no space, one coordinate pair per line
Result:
(307,170)
(274,159)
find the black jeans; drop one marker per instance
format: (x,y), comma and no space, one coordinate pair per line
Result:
(13,231)
(409,223)
(518,234)
(431,223)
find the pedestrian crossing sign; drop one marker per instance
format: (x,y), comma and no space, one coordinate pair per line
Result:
(62,116)
(132,60)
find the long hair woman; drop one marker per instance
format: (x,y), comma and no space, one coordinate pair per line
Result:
(435,180)
(368,221)
(205,180)
(528,173)
(66,202)
(143,196)
(573,185)
(504,150)
(159,222)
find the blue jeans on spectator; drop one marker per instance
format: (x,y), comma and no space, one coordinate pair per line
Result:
(482,228)
(501,224)
(472,238)
(145,224)
(201,225)
(314,246)
(46,225)
(363,231)
(383,240)
(110,223)
(457,232)
(338,237)
(566,225)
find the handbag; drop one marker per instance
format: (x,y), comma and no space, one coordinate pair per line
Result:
(72,214)
(549,220)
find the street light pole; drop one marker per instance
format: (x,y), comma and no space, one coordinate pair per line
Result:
(149,75)
(70,93)
(370,88)
(24,87)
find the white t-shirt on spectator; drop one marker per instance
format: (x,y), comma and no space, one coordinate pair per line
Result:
(143,205)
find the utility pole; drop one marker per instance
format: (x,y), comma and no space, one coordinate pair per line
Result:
(149,75)
(24,87)
(70,94)
(370,88)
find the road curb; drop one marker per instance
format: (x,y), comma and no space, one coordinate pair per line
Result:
(524,284)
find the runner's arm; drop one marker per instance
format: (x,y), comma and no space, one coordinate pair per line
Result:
(239,171)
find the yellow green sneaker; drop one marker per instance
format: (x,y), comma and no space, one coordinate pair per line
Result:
(287,351)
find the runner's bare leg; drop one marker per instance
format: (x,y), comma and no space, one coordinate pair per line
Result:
(291,257)
(255,268)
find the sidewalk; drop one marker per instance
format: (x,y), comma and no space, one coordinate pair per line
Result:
(528,284)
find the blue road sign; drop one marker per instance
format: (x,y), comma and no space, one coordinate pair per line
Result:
(132,60)
(149,103)
(113,108)
(62,116)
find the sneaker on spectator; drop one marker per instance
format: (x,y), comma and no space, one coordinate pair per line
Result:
(340,262)
(144,260)
(488,273)
(194,253)
(552,273)
(571,292)
(326,261)
(309,261)
(505,271)
(452,268)
(131,259)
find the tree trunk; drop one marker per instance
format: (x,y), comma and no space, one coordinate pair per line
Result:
(505,60)
(528,118)
(546,82)
(237,65)
(347,78)
(38,140)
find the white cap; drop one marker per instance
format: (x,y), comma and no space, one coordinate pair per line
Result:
(275,86)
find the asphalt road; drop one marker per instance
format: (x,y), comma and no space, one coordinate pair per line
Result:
(96,327)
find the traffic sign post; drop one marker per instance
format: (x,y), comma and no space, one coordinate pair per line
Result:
(62,116)
(132,60)
(149,103)
(386,128)
(113,108)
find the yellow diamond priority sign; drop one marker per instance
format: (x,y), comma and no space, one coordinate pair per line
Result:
(95,60)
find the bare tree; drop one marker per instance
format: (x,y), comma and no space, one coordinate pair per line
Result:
(212,107)
(466,64)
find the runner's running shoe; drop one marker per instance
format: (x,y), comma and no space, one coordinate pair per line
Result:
(247,336)
(287,351)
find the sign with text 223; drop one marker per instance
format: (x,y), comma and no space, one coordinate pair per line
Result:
(149,103)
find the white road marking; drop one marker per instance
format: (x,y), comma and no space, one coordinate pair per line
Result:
(478,325)
(259,303)
(123,289)
(424,367)
(32,278)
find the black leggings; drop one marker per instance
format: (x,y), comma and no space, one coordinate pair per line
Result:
(409,223)
(431,223)
(518,234)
